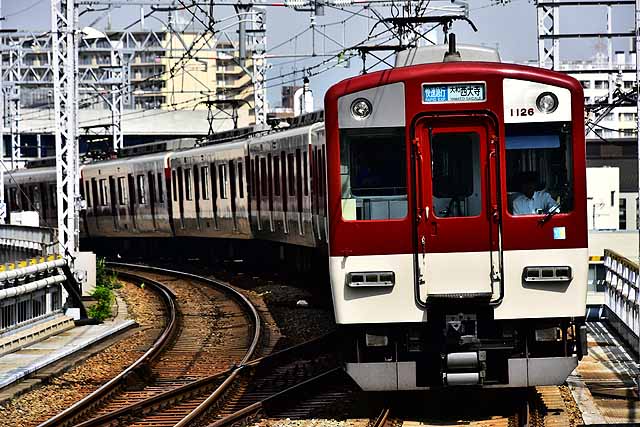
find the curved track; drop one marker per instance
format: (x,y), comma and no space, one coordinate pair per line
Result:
(212,326)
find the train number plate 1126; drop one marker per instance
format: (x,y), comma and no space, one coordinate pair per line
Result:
(453,92)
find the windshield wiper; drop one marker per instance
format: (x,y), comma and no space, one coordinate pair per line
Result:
(554,210)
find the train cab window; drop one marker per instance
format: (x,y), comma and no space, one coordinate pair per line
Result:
(222,180)
(142,198)
(122,192)
(539,168)
(187,184)
(204,180)
(373,172)
(103,192)
(240,181)
(455,174)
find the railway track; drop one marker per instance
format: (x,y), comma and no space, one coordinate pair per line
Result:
(211,327)
(536,407)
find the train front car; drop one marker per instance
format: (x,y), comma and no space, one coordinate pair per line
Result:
(458,235)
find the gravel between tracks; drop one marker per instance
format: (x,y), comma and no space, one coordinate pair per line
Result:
(43,402)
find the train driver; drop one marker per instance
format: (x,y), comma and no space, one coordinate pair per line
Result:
(530,201)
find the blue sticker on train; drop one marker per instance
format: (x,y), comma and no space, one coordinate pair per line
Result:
(455,92)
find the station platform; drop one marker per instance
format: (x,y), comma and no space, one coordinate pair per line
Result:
(22,363)
(604,383)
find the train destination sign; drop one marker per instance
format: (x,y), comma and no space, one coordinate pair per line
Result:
(453,92)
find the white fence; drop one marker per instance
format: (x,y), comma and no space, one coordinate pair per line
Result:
(621,297)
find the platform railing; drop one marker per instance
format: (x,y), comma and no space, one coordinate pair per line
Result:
(31,293)
(622,299)
(22,245)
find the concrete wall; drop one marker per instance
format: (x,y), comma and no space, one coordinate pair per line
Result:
(603,193)
(623,242)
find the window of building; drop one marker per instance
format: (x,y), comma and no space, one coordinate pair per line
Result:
(602,84)
(586,84)
(373,170)
(622,214)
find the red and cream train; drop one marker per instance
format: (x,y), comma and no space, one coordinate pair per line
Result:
(414,184)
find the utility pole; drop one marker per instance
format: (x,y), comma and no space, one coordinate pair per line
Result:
(3,204)
(65,73)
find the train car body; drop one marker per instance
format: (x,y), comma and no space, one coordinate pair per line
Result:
(127,197)
(210,194)
(33,190)
(287,172)
(439,276)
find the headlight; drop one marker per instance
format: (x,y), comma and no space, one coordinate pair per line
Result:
(360,109)
(547,102)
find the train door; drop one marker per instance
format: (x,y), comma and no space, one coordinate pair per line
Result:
(152,198)
(456,209)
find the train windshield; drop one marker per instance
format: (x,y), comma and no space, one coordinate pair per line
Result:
(539,160)
(373,171)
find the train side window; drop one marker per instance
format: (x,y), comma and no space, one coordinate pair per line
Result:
(54,195)
(222,180)
(87,194)
(373,173)
(152,188)
(122,192)
(204,180)
(276,175)
(94,192)
(142,198)
(214,185)
(232,181)
(160,188)
(539,168)
(13,197)
(455,170)
(103,192)
(291,177)
(45,195)
(263,177)
(175,185)
(305,169)
(187,184)
(240,181)
(270,181)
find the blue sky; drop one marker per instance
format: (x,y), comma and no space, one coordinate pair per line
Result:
(511,28)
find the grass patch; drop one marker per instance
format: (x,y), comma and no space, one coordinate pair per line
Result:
(103,293)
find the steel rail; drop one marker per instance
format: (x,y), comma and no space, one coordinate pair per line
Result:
(381,420)
(71,413)
(200,386)
(254,408)
(215,283)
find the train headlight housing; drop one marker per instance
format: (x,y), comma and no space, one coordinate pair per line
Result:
(361,109)
(547,102)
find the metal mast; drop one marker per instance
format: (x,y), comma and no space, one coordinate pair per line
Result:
(63,22)
(259,18)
